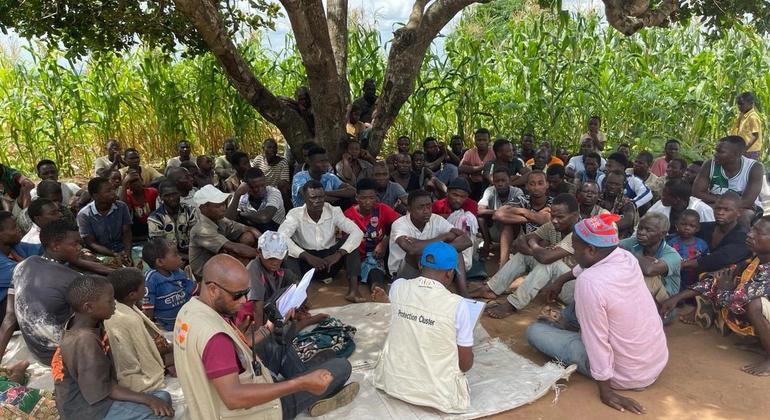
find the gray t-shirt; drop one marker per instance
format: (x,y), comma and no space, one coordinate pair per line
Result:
(493,201)
(392,193)
(40,287)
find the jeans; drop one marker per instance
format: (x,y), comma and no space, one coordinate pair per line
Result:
(447,173)
(127,410)
(298,402)
(283,360)
(560,344)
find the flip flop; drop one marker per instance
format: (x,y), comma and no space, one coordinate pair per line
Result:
(704,313)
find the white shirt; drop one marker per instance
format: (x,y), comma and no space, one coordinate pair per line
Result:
(635,184)
(33,236)
(576,163)
(705,211)
(304,233)
(436,226)
(68,190)
(462,319)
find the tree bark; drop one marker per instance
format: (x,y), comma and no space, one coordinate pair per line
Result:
(407,52)
(325,80)
(630,16)
(206,18)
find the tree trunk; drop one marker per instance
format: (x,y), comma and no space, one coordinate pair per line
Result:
(407,52)
(325,81)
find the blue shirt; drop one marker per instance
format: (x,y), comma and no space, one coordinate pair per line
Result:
(329,181)
(672,280)
(166,295)
(107,229)
(7,265)
(689,252)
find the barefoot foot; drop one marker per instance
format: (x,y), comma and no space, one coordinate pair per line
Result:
(688,318)
(758,369)
(501,311)
(355,298)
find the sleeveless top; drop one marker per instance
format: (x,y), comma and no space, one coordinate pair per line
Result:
(719,183)
(419,361)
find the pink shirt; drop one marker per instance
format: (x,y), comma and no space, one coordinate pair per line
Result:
(619,322)
(659,166)
(471,157)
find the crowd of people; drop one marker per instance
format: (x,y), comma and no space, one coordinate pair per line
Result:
(96,276)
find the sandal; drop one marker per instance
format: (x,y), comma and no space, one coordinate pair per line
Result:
(550,315)
(704,313)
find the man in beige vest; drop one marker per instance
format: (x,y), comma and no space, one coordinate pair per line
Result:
(430,342)
(220,375)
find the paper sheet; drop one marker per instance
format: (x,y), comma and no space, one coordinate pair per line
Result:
(475,309)
(295,295)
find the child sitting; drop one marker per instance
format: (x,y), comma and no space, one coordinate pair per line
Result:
(687,245)
(138,357)
(85,384)
(167,287)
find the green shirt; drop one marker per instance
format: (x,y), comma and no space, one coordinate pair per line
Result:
(665,253)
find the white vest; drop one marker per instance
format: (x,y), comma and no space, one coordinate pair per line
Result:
(419,362)
(195,324)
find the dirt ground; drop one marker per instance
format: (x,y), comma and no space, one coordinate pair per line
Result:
(703,379)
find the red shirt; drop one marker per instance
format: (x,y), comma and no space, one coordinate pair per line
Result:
(142,212)
(374,228)
(441,207)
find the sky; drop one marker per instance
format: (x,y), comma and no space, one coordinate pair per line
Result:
(387,14)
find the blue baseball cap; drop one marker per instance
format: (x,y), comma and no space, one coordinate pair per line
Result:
(439,256)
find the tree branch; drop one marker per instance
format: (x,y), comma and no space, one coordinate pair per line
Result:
(630,16)
(337,15)
(407,52)
(206,18)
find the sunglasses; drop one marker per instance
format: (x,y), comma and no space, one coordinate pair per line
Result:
(235,295)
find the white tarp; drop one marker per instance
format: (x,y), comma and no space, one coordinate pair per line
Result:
(500,379)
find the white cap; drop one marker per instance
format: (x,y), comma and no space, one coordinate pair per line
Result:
(273,244)
(209,194)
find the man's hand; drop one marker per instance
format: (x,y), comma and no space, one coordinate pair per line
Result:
(317,263)
(332,259)
(552,291)
(159,407)
(667,306)
(124,258)
(162,345)
(131,176)
(242,189)
(725,279)
(317,381)
(620,402)
(379,250)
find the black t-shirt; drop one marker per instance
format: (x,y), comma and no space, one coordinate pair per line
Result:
(84,374)
(40,287)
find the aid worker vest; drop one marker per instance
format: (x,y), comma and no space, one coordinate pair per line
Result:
(419,362)
(195,324)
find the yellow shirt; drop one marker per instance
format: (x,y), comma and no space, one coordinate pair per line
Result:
(746,125)
(148,174)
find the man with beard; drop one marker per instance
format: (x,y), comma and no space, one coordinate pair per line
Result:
(588,197)
(613,200)
(222,376)
(388,192)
